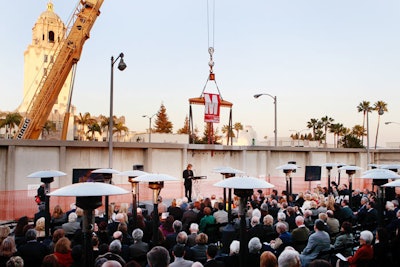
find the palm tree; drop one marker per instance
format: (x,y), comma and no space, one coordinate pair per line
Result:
(228,131)
(313,124)
(119,127)
(93,127)
(326,122)
(364,107)
(83,120)
(10,120)
(358,131)
(237,127)
(380,107)
(336,129)
(49,126)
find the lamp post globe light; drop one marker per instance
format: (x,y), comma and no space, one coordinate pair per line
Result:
(88,197)
(275,115)
(46,177)
(121,67)
(149,117)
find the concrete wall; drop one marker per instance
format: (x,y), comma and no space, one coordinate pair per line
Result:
(19,158)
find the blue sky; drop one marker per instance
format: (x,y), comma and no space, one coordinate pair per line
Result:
(318,57)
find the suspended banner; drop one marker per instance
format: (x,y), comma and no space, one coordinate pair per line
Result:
(212,103)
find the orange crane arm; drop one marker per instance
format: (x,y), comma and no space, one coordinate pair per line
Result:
(51,83)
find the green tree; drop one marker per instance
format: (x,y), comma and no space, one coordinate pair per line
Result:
(210,135)
(351,141)
(336,129)
(185,129)
(364,107)
(380,107)
(237,127)
(49,126)
(162,123)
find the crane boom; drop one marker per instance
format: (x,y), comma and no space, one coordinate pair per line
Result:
(51,83)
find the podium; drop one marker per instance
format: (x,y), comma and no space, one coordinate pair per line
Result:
(196,184)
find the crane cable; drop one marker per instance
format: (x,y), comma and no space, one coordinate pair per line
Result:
(211,32)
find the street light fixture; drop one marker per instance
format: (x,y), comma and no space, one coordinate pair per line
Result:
(149,117)
(121,67)
(391,122)
(275,119)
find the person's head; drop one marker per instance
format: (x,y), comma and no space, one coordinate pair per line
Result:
(347,227)
(15,261)
(201,239)
(289,258)
(207,211)
(254,245)
(8,247)
(31,234)
(268,259)
(115,246)
(189,166)
(117,235)
(58,234)
(212,251)
(366,237)
(40,224)
(194,228)
(137,235)
(323,216)
(63,245)
(177,225)
(299,220)
(281,216)
(111,263)
(234,247)
(255,220)
(178,251)
(158,257)
(268,220)
(281,227)
(50,261)
(72,217)
(319,225)
(181,238)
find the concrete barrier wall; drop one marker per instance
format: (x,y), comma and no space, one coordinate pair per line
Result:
(19,158)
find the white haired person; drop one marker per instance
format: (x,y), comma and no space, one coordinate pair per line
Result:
(365,252)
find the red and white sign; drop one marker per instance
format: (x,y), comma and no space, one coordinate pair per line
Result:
(212,103)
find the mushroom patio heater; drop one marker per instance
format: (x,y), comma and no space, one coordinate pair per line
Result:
(107,179)
(156,183)
(380,177)
(243,187)
(350,170)
(88,197)
(135,190)
(47,177)
(288,169)
(329,167)
(228,172)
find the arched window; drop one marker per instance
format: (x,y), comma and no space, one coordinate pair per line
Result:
(51,36)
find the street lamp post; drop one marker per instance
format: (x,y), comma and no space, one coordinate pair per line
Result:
(121,67)
(149,117)
(391,122)
(275,119)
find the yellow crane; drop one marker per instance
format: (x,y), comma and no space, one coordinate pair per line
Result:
(66,56)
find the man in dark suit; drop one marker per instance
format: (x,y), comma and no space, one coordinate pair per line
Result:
(188,177)
(212,251)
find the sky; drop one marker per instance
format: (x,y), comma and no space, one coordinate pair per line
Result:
(319,58)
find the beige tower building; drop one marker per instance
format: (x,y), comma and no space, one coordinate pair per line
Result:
(47,34)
